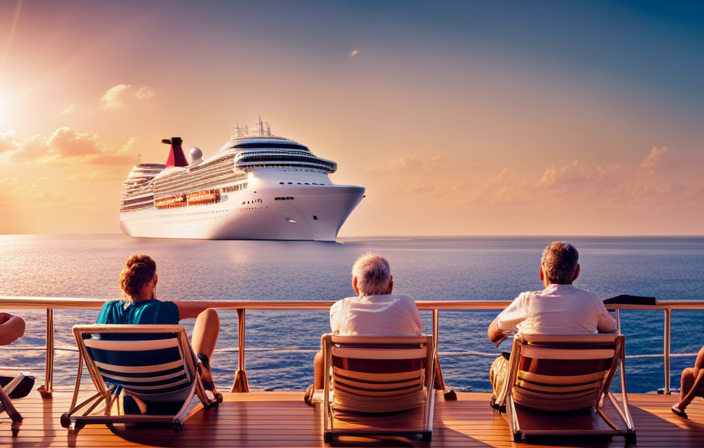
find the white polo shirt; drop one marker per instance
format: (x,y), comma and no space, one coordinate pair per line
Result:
(387,315)
(558,309)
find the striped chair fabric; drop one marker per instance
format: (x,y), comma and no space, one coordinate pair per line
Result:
(377,380)
(558,378)
(148,366)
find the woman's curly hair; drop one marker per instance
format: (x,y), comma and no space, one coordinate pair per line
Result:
(138,271)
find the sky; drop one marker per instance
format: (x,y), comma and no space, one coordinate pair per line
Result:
(459,118)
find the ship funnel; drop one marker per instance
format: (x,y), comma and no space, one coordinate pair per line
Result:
(176,156)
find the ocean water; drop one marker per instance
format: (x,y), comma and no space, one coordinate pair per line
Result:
(281,344)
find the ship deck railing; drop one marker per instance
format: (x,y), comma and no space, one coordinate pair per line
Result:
(241,306)
(282,420)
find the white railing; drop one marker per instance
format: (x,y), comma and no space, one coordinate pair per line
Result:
(240,383)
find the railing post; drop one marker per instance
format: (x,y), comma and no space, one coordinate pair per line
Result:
(240,384)
(618,320)
(46,391)
(449,394)
(666,348)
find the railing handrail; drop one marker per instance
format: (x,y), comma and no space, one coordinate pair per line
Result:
(240,384)
(7,302)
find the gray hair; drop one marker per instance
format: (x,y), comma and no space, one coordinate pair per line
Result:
(559,262)
(373,274)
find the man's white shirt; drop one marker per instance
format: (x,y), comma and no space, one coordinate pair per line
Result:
(384,315)
(558,309)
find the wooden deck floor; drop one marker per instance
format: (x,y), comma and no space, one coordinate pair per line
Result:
(280,419)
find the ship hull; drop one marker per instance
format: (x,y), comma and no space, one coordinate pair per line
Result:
(315,213)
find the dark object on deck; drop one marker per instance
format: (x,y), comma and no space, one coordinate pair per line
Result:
(626,299)
(22,389)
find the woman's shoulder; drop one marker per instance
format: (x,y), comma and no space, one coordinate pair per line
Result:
(113,304)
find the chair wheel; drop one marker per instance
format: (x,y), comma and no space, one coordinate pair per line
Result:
(218,397)
(518,437)
(327,437)
(631,438)
(177,426)
(65,421)
(427,436)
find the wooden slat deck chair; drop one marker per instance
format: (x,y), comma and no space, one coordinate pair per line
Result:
(378,386)
(557,385)
(152,367)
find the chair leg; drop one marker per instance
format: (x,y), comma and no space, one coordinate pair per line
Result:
(6,403)
(631,438)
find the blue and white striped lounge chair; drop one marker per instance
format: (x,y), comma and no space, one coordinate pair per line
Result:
(557,386)
(151,367)
(378,386)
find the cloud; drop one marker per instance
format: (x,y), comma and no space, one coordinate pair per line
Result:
(114,97)
(69,110)
(65,146)
(122,95)
(75,108)
(353,53)
(143,93)
(562,177)
(93,175)
(68,143)
(408,163)
(7,141)
(660,158)
(13,192)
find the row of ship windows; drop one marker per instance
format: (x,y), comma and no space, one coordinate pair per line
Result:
(288,168)
(299,183)
(253,201)
(289,198)
(235,188)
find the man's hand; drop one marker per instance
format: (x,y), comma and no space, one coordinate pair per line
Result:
(496,335)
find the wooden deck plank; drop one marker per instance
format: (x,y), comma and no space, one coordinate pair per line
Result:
(281,420)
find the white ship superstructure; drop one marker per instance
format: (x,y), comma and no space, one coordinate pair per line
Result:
(257,186)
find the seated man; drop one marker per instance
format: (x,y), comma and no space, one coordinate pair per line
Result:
(558,309)
(374,312)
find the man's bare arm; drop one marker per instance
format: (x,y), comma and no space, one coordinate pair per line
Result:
(496,335)
(11,328)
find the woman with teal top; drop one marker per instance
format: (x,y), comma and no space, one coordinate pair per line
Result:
(138,282)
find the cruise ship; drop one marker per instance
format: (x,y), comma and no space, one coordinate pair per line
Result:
(257,186)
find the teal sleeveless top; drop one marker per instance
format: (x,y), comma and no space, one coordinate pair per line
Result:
(146,312)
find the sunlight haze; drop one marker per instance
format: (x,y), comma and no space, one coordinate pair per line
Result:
(459,118)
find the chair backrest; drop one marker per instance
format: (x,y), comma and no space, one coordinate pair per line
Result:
(378,374)
(149,361)
(563,372)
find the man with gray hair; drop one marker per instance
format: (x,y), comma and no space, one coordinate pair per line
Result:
(375,311)
(558,309)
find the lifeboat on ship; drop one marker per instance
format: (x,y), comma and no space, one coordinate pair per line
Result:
(203,197)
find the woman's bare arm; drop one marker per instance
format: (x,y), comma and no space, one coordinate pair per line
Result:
(190,310)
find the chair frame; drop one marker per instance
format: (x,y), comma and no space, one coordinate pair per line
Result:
(506,399)
(6,402)
(110,396)
(328,340)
